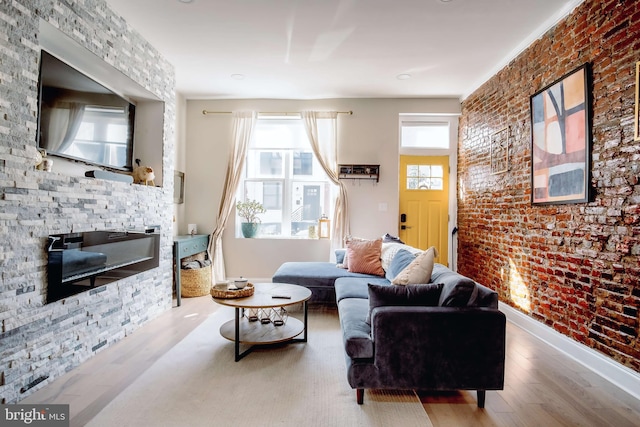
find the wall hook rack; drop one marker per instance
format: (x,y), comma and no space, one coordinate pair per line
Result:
(359,171)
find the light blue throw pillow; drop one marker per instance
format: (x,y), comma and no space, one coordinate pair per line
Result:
(399,262)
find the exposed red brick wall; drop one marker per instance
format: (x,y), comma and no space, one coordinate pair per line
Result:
(574,267)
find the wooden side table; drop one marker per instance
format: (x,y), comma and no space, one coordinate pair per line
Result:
(241,330)
(184,246)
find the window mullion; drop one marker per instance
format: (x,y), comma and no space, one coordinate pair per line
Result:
(287,202)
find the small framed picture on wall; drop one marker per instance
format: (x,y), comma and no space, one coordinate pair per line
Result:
(500,151)
(561,140)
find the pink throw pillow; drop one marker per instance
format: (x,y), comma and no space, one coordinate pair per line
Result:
(364,256)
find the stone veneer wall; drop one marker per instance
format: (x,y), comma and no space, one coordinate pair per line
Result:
(574,267)
(38,340)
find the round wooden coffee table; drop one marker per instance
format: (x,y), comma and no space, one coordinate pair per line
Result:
(266,297)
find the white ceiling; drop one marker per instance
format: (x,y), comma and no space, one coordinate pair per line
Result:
(312,49)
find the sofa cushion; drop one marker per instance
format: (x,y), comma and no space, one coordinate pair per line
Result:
(364,256)
(419,271)
(456,290)
(356,287)
(356,332)
(483,297)
(400,261)
(311,274)
(390,249)
(340,254)
(426,295)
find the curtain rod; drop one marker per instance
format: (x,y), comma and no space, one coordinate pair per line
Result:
(205,112)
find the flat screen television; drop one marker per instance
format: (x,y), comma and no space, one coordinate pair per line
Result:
(82,120)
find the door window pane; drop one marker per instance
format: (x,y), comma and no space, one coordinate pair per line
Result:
(425,177)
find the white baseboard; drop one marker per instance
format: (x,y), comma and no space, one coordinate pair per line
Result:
(612,371)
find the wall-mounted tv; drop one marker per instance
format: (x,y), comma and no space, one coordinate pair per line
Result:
(82,120)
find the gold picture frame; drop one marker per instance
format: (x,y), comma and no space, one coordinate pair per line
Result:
(500,151)
(636,117)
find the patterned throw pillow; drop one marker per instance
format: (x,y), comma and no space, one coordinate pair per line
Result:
(419,271)
(389,251)
(364,256)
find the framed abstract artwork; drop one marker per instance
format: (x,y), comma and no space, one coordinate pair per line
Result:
(561,140)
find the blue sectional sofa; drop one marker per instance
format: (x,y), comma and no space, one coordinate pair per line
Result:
(319,277)
(444,335)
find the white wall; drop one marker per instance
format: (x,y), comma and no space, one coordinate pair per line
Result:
(370,135)
(180,161)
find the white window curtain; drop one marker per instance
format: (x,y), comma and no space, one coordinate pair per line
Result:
(62,125)
(244,123)
(326,151)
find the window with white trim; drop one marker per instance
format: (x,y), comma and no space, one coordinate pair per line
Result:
(283,174)
(424,134)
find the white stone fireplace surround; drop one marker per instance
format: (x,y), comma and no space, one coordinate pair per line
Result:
(39,341)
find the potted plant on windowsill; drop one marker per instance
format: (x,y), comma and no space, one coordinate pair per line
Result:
(249,211)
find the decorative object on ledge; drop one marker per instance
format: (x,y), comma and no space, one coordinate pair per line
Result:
(636,118)
(249,211)
(324,227)
(143,174)
(500,142)
(561,140)
(359,172)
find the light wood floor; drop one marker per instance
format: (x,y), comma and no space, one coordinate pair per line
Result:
(542,386)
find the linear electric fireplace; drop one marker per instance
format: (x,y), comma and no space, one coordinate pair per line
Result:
(81,261)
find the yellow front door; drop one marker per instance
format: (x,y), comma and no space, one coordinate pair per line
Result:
(424,203)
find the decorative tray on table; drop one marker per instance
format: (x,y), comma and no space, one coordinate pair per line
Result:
(247,291)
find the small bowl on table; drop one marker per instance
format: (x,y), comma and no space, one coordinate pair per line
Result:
(240,283)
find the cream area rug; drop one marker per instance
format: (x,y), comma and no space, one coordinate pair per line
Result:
(198,383)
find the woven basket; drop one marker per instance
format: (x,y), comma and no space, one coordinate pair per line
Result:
(233,293)
(195,282)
